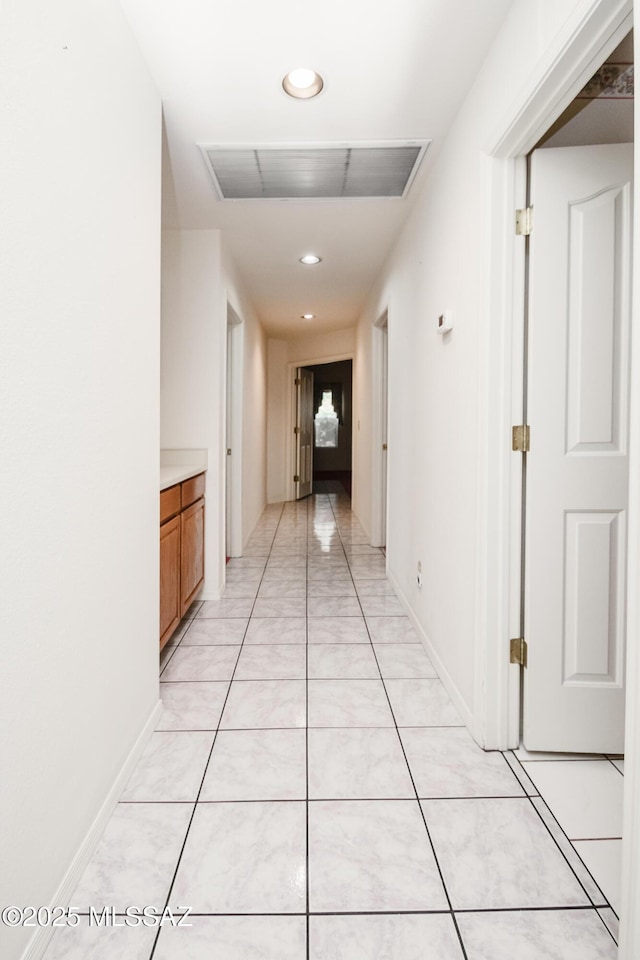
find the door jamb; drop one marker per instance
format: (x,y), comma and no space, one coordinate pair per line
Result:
(379,397)
(234,396)
(290,414)
(588,38)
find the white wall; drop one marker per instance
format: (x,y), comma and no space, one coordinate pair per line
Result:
(254,402)
(362,440)
(198,280)
(194,330)
(434,388)
(281,353)
(277,426)
(594,121)
(79,437)
(319,347)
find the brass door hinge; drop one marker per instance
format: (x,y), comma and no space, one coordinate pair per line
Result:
(521,438)
(524,221)
(296,478)
(297,381)
(519,651)
(296,430)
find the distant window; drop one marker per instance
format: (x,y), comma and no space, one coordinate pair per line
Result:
(326,422)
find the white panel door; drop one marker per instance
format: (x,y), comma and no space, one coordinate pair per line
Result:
(577,470)
(304,432)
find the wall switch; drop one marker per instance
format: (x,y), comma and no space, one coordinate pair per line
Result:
(445,321)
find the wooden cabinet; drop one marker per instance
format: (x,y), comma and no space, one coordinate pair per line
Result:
(181,550)
(170,600)
(191,552)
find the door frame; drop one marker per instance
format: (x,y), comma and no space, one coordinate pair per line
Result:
(379,463)
(301,412)
(234,367)
(500,398)
(593,31)
(290,414)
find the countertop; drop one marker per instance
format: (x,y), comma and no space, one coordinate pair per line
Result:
(175,474)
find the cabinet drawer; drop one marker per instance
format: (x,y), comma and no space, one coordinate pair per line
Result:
(169,502)
(192,490)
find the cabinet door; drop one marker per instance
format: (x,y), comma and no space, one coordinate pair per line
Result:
(170,609)
(192,551)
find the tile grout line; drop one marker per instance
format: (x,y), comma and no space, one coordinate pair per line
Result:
(204,774)
(525,796)
(594,905)
(591,906)
(417,799)
(444,912)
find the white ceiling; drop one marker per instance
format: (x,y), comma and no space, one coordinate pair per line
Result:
(393,70)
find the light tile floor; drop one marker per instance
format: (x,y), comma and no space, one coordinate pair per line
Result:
(311,794)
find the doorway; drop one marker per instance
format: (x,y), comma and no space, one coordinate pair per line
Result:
(576,402)
(497,719)
(332,395)
(506,171)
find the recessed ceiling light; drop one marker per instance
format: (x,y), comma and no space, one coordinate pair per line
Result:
(310,258)
(308,316)
(303,83)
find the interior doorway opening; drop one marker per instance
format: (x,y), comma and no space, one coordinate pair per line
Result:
(332,422)
(576,398)
(571,368)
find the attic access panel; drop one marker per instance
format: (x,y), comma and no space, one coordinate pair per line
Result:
(314,171)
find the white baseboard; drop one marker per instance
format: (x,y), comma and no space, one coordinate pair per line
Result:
(465,713)
(208,594)
(36,947)
(364,526)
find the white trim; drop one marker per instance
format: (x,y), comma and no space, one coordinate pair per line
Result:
(496,723)
(37,946)
(594,30)
(379,391)
(290,451)
(443,674)
(630,892)
(234,393)
(290,414)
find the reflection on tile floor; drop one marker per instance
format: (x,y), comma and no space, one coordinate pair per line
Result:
(312,794)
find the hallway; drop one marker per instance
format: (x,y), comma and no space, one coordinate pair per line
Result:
(310,791)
